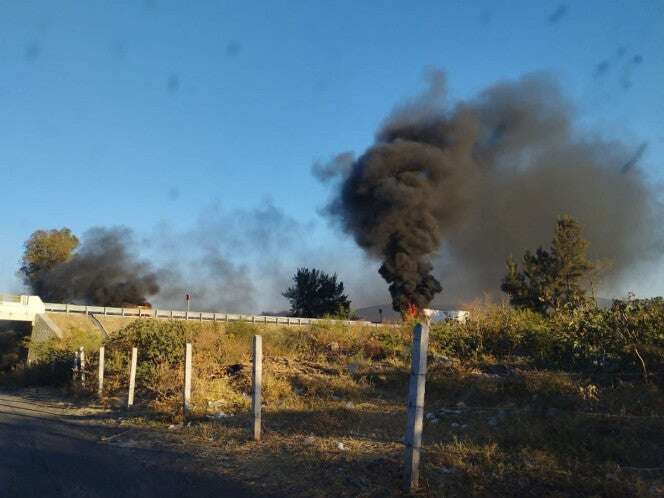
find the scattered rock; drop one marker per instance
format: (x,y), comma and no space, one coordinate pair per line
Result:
(341,447)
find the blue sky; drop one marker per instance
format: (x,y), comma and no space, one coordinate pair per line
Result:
(144,113)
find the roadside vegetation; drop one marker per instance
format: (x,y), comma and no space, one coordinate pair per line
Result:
(518,403)
(550,395)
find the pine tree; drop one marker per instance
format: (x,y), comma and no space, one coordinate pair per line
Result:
(551,279)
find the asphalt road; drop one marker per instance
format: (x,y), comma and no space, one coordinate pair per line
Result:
(48,450)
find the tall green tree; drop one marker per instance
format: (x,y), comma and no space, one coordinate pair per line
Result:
(553,278)
(316,294)
(43,251)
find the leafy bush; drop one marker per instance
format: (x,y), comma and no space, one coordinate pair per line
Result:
(627,337)
(160,344)
(52,361)
(54,368)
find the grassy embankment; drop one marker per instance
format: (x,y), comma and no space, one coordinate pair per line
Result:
(517,404)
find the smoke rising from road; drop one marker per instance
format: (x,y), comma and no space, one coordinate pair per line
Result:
(104,271)
(447,192)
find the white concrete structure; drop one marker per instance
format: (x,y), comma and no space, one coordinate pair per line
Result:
(20,308)
(386,314)
(449,315)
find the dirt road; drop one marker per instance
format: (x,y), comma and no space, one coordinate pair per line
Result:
(51,450)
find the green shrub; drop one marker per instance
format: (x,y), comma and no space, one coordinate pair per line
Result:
(160,346)
(52,360)
(628,337)
(53,368)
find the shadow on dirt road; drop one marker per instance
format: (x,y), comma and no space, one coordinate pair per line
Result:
(47,450)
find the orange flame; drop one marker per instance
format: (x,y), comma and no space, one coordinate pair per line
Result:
(410,312)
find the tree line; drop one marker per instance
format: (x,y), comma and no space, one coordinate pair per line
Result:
(544,280)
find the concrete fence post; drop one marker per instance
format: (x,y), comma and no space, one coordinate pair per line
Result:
(132,377)
(81,362)
(186,398)
(257,381)
(100,373)
(76,367)
(416,386)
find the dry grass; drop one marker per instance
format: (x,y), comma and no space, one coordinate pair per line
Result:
(493,427)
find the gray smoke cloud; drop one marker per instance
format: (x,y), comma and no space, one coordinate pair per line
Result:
(104,271)
(447,192)
(237,261)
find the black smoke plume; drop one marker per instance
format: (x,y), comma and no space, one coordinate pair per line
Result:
(449,191)
(104,271)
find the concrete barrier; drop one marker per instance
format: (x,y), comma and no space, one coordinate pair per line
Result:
(200,316)
(20,308)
